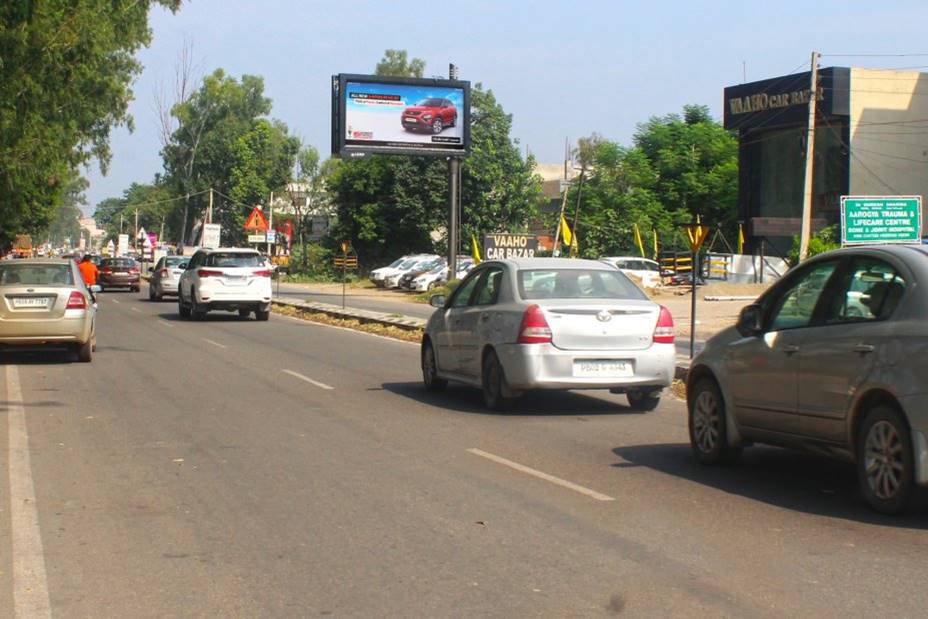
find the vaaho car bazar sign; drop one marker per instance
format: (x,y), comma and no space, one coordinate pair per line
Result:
(881,219)
(498,246)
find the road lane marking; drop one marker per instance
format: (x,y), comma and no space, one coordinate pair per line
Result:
(165,323)
(535,473)
(307,379)
(115,301)
(209,341)
(30,583)
(135,309)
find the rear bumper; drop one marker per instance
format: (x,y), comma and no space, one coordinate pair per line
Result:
(542,366)
(246,296)
(118,281)
(167,286)
(31,332)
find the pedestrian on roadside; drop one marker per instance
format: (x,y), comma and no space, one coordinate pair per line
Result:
(88,271)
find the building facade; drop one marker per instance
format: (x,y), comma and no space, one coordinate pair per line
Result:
(871,138)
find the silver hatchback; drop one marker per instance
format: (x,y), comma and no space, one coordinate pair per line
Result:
(549,323)
(832,359)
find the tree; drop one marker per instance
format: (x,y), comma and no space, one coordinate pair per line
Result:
(65,225)
(65,79)
(309,181)
(394,63)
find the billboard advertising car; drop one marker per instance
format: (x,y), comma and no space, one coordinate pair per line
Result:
(373,114)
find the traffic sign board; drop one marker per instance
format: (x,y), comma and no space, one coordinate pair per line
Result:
(271,236)
(257,238)
(256,221)
(881,219)
(696,234)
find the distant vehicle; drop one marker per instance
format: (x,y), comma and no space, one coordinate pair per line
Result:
(405,281)
(228,278)
(119,273)
(392,280)
(165,276)
(439,275)
(432,115)
(830,359)
(378,275)
(45,302)
(549,323)
(648,272)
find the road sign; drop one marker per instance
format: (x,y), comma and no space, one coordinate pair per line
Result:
(256,221)
(696,235)
(123,247)
(350,262)
(211,233)
(345,247)
(257,238)
(881,219)
(271,236)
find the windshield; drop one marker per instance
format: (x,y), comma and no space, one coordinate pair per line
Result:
(576,284)
(233,259)
(430,103)
(173,261)
(119,263)
(36,275)
(396,263)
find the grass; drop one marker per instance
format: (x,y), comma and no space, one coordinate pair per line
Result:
(407,335)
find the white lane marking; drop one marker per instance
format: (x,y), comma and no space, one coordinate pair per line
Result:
(30,583)
(135,309)
(535,473)
(307,379)
(165,323)
(209,341)
(115,301)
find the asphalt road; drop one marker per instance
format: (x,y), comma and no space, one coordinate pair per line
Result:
(236,468)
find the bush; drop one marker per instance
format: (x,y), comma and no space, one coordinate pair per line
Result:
(824,240)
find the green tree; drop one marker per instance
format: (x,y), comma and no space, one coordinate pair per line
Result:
(154,203)
(65,74)
(65,225)
(395,63)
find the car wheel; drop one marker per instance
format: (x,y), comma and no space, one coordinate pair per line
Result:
(244,313)
(196,312)
(707,424)
(182,308)
(643,400)
(430,368)
(885,462)
(85,352)
(262,315)
(454,121)
(494,385)
(437,126)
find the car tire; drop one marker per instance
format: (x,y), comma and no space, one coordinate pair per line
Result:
(262,315)
(430,368)
(708,424)
(196,312)
(454,121)
(886,462)
(134,289)
(639,400)
(437,127)
(85,351)
(182,308)
(494,385)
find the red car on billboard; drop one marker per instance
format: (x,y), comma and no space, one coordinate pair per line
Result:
(430,115)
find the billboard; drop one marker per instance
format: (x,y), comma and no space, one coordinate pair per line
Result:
(391,115)
(881,219)
(502,245)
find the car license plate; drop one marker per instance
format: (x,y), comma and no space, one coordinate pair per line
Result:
(608,368)
(30,302)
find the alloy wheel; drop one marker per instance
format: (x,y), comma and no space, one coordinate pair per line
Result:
(883,460)
(706,421)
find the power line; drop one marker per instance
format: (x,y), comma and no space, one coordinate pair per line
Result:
(154,202)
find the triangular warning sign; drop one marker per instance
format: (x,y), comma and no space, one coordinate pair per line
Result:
(256,222)
(696,234)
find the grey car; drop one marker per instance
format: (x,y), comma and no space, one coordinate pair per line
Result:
(165,276)
(549,323)
(831,359)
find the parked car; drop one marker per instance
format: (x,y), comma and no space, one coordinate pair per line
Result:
(831,360)
(378,275)
(405,281)
(45,302)
(433,114)
(549,323)
(119,273)
(439,275)
(228,278)
(648,272)
(392,280)
(165,276)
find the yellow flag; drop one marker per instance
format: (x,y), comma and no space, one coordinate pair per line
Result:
(638,240)
(656,249)
(740,239)
(565,232)
(474,249)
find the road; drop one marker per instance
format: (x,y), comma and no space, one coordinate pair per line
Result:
(237,468)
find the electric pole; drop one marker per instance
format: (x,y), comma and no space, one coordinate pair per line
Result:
(454,171)
(270,222)
(209,211)
(807,189)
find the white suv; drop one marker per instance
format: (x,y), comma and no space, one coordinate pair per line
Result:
(228,279)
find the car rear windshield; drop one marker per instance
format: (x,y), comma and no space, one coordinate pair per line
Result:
(173,261)
(36,275)
(576,284)
(233,259)
(119,263)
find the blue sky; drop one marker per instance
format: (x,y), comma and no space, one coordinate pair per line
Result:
(562,69)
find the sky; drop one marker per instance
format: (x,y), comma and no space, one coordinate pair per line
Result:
(564,70)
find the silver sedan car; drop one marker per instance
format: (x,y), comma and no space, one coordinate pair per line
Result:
(165,276)
(549,323)
(46,302)
(832,359)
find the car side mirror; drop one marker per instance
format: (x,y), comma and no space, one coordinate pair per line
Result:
(437,300)
(751,320)
(95,289)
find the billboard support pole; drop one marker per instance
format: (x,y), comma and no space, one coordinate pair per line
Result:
(454,165)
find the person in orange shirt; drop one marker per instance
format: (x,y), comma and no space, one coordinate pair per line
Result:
(88,271)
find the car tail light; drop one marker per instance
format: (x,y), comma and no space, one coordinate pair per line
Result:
(534,329)
(663,332)
(106,270)
(133,269)
(264,273)
(208,273)
(163,272)
(76,301)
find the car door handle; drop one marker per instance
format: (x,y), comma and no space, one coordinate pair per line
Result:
(863,348)
(790,349)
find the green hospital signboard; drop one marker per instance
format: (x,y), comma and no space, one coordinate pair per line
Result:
(881,219)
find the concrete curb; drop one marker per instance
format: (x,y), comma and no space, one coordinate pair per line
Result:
(408,323)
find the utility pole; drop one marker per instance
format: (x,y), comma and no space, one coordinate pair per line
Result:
(270,221)
(454,171)
(806,230)
(209,211)
(135,242)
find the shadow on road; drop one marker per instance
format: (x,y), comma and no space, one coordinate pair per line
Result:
(37,356)
(210,317)
(780,477)
(462,399)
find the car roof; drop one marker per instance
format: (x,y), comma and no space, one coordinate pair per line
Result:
(553,263)
(38,261)
(228,250)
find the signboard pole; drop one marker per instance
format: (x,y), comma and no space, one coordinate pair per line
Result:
(694,267)
(344,273)
(454,165)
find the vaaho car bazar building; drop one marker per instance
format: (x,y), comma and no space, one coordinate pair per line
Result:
(871,138)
